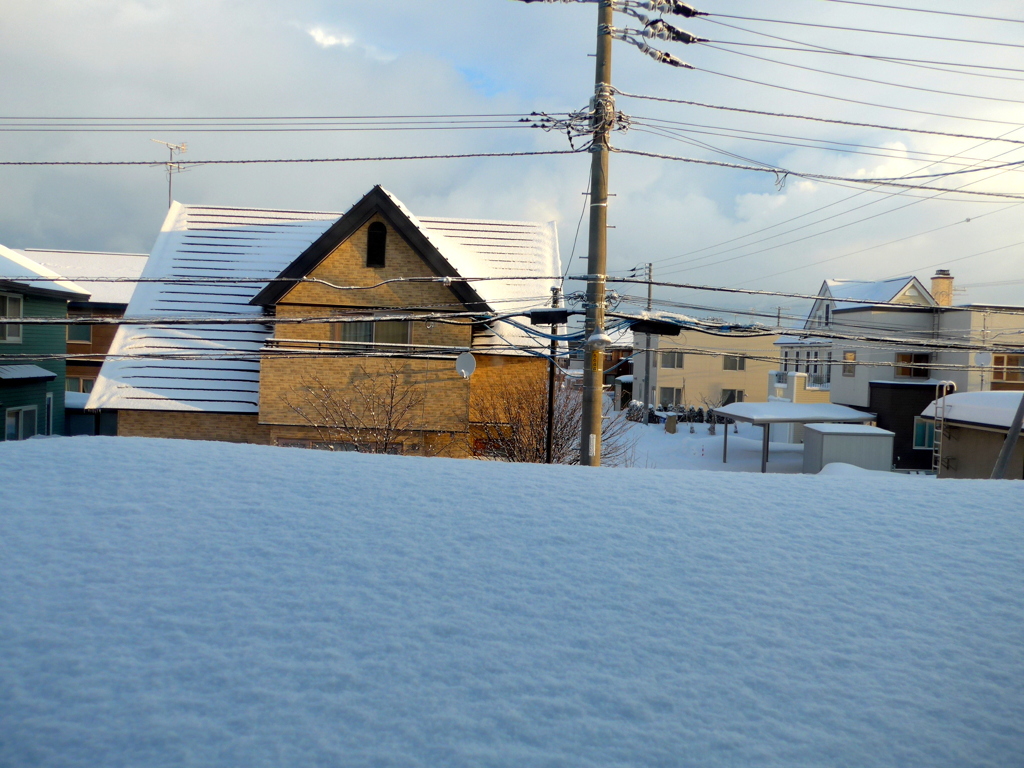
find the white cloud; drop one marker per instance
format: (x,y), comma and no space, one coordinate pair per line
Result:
(326,39)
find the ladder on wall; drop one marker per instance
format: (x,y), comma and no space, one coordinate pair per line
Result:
(941,390)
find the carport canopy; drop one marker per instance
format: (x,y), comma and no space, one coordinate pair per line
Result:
(782,412)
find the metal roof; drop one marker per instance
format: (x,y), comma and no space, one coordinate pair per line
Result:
(215,367)
(81,265)
(25,372)
(18,268)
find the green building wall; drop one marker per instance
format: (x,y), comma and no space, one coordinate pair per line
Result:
(38,340)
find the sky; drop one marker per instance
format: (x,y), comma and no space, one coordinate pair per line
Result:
(698,224)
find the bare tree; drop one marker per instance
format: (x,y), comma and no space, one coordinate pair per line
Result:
(515,424)
(372,414)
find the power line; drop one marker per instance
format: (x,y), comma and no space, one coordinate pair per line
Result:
(928,10)
(887,32)
(930,64)
(810,118)
(190,163)
(782,173)
(854,101)
(866,79)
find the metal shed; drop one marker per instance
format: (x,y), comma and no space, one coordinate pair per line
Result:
(856,444)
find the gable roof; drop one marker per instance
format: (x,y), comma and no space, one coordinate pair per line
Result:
(20,272)
(513,257)
(858,294)
(214,367)
(80,265)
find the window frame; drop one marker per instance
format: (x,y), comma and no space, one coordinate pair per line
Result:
(849,362)
(7,335)
(1005,371)
(376,245)
(21,412)
(676,399)
(912,368)
(928,444)
(79,327)
(670,358)
(737,396)
(338,332)
(739,362)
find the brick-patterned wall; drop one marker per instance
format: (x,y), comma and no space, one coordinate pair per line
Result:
(346,265)
(493,373)
(225,427)
(442,395)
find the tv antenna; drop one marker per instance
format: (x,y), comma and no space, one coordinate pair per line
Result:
(172,167)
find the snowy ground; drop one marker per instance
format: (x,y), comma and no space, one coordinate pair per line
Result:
(167,603)
(656,449)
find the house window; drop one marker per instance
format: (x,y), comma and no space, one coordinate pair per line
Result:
(828,315)
(734,363)
(849,363)
(372,332)
(671,359)
(730,396)
(376,241)
(21,423)
(10,306)
(80,333)
(671,397)
(78,384)
(913,365)
(924,434)
(785,359)
(1008,368)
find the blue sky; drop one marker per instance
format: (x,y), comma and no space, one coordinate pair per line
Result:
(188,58)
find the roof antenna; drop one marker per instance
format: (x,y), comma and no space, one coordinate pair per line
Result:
(172,167)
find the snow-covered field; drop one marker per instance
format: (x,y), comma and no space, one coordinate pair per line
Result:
(656,449)
(196,604)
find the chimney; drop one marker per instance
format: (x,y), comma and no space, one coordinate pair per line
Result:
(942,288)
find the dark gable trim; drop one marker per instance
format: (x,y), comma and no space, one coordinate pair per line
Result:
(376,201)
(13,286)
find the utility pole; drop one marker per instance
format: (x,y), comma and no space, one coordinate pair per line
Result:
(647,343)
(549,441)
(597,255)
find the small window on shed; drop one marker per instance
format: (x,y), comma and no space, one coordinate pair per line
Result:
(376,240)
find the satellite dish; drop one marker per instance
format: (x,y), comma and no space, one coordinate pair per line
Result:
(983,359)
(465,364)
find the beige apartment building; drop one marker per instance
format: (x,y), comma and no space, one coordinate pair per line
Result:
(702,369)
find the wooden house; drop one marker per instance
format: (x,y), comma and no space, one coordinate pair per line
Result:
(372,300)
(32,366)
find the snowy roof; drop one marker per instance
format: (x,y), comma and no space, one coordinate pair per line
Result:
(854,294)
(518,260)
(15,372)
(18,268)
(196,242)
(990,409)
(847,429)
(84,264)
(785,413)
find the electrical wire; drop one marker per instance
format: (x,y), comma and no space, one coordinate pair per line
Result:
(928,10)
(945,39)
(810,118)
(781,173)
(865,79)
(196,163)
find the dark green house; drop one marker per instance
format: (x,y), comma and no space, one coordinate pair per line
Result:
(31,356)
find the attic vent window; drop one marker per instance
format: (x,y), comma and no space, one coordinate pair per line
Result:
(376,240)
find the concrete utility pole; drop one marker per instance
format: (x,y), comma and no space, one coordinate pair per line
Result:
(597,255)
(647,345)
(1006,453)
